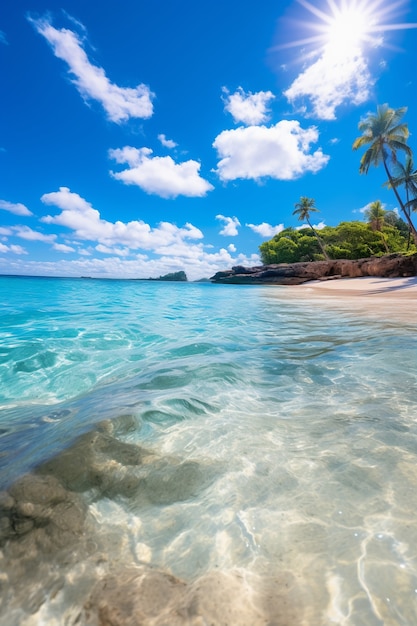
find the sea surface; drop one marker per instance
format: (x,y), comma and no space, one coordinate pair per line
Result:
(193,454)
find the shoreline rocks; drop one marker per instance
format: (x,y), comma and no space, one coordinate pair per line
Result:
(388,266)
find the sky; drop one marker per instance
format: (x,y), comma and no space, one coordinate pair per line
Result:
(141,138)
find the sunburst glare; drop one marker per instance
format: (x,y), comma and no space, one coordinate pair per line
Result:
(345,26)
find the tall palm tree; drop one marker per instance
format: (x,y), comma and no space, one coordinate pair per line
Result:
(406,175)
(375,215)
(385,135)
(303,210)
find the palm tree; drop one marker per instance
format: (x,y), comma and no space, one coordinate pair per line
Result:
(303,210)
(375,215)
(406,175)
(385,135)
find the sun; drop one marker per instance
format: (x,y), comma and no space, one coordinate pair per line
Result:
(344,27)
(348,28)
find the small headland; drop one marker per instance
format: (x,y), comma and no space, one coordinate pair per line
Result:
(388,266)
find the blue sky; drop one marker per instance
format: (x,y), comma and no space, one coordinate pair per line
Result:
(139,138)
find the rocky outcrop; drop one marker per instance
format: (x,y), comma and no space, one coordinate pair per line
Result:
(389,266)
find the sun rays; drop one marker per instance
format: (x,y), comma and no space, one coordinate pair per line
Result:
(346,26)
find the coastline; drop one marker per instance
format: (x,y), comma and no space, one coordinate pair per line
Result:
(392,298)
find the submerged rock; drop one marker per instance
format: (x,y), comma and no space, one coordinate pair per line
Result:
(132,597)
(48,532)
(108,467)
(96,461)
(147,597)
(41,507)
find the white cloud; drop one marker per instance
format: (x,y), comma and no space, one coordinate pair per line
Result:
(334,79)
(167,143)
(231,247)
(62,247)
(366,207)
(266,230)
(79,215)
(12,248)
(127,250)
(280,151)
(123,252)
(3,38)
(198,263)
(15,208)
(318,226)
(24,232)
(120,103)
(160,175)
(249,108)
(230,225)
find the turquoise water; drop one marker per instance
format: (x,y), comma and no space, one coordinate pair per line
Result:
(214,454)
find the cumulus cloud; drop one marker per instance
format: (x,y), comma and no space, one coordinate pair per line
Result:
(120,103)
(14,249)
(247,107)
(366,208)
(24,232)
(231,247)
(334,79)
(159,175)
(230,225)
(167,143)
(318,226)
(15,208)
(118,249)
(62,247)
(266,230)
(123,252)
(281,151)
(197,263)
(87,224)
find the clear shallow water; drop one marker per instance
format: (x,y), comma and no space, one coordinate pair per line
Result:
(259,449)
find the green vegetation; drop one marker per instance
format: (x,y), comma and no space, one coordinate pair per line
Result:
(173,276)
(303,210)
(385,135)
(348,240)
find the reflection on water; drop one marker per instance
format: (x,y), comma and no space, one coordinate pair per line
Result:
(251,474)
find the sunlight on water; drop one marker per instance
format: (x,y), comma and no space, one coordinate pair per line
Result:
(202,454)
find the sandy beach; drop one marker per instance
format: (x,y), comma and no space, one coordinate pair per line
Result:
(391,298)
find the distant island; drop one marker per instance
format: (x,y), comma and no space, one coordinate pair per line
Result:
(173,277)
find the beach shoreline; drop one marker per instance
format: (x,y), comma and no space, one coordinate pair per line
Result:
(404,287)
(389,298)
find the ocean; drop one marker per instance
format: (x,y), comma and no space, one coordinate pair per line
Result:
(192,454)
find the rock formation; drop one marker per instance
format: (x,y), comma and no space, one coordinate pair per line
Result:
(389,266)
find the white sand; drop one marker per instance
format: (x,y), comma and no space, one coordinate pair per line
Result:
(372,286)
(391,298)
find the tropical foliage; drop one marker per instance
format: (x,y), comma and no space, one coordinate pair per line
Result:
(303,208)
(348,240)
(385,135)
(405,175)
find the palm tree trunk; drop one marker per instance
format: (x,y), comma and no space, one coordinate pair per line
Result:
(403,209)
(384,242)
(409,229)
(320,241)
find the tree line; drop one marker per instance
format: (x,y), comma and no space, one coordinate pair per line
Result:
(385,135)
